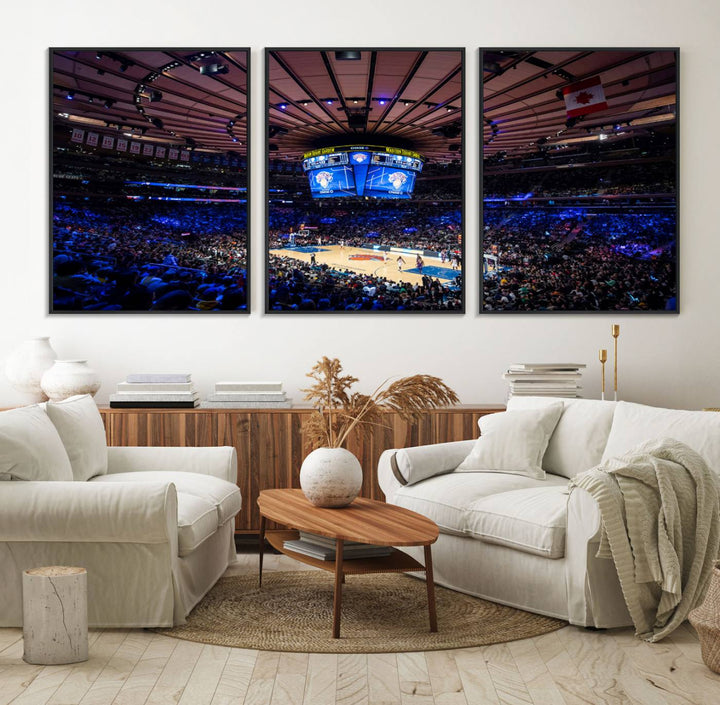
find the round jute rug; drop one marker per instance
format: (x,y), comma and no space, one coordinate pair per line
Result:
(380,613)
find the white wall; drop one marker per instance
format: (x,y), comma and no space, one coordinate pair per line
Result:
(665,360)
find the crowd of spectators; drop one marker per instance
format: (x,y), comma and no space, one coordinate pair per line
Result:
(579,260)
(299,286)
(651,177)
(407,224)
(139,256)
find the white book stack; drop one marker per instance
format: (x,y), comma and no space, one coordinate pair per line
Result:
(247,395)
(156,391)
(544,379)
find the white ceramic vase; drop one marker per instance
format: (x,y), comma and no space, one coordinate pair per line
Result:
(331,477)
(26,365)
(66,378)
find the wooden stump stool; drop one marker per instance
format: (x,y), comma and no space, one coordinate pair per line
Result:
(55,615)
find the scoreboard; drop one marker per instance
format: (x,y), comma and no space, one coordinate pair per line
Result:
(379,172)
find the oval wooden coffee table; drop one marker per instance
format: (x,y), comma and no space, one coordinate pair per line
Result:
(366,521)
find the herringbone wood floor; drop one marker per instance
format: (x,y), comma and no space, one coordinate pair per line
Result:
(570,666)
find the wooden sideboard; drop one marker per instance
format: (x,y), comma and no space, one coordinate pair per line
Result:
(270,443)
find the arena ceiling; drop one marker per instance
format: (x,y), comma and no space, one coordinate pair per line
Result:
(406,98)
(186,97)
(524,110)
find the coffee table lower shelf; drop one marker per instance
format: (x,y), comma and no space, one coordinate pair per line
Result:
(396,562)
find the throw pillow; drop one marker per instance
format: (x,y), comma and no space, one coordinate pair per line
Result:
(80,426)
(30,447)
(579,439)
(513,442)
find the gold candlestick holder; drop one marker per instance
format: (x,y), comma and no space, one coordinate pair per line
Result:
(615,330)
(603,360)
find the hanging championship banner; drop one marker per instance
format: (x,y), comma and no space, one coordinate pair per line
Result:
(108,142)
(77,135)
(122,145)
(92,139)
(160,152)
(147,150)
(184,156)
(173,153)
(134,148)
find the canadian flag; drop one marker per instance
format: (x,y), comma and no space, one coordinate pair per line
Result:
(584,97)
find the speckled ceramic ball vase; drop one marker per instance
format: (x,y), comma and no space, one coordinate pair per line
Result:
(331,477)
(67,378)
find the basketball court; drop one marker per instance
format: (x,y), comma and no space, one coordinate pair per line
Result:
(372,262)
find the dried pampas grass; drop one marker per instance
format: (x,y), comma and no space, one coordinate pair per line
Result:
(338,410)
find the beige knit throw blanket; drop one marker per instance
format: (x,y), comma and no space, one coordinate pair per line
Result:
(660,524)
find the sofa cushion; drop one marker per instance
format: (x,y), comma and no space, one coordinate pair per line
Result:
(197,521)
(223,495)
(446,499)
(532,520)
(421,462)
(634,424)
(580,437)
(81,429)
(30,447)
(513,442)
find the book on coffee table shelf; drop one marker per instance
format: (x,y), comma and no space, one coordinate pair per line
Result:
(323,548)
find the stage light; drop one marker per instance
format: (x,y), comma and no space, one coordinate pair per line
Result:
(329,101)
(283,106)
(70,95)
(155,96)
(382,101)
(347,56)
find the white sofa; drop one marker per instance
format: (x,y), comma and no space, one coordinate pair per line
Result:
(527,541)
(154,527)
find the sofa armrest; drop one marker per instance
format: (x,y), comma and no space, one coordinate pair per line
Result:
(583,519)
(219,462)
(406,466)
(88,512)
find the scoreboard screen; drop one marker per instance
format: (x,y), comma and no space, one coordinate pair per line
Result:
(332,182)
(389,182)
(377,172)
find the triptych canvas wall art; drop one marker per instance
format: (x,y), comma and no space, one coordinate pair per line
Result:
(365,165)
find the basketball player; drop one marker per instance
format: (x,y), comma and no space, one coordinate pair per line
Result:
(400,263)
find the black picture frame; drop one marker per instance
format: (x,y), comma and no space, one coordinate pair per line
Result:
(579,200)
(403,102)
(149,180)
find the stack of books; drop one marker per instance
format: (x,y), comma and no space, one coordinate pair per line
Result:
(156,391)
(323,548)
(544,379)
(247,395)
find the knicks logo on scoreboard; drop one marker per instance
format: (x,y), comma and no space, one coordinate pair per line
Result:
(397,179)
(323,178)
(359,158)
